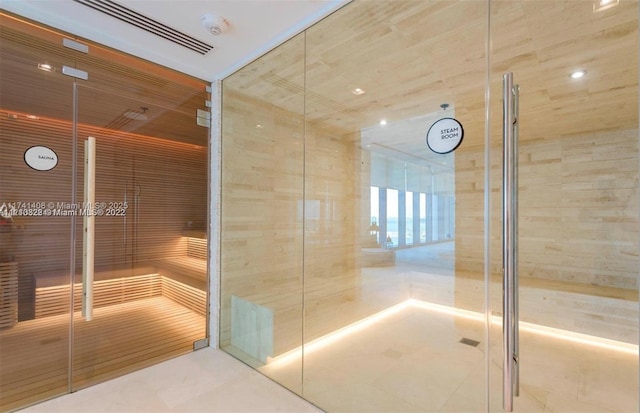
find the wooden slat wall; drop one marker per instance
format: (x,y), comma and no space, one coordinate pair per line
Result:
(38,244)
(8,294)
(51,301)
(197,248)
(188,270)
(150,172)
(185,295)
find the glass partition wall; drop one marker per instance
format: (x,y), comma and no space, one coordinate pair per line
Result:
(363,271)
(578,201)
(340,229)
(149,212)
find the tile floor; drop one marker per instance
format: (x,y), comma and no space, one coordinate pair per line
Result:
(34,363)
(411,361)
(207,380)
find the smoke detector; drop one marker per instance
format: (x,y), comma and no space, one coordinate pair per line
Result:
(215,24)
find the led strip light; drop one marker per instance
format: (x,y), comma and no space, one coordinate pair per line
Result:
(337,335)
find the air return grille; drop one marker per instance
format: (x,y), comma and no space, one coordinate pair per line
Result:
(147,24)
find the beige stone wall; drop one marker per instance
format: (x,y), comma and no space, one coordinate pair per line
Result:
(290,202)
(261,227)
(578,201)
(578,243)
(469,237)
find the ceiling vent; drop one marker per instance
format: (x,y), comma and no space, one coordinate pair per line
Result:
(147,24)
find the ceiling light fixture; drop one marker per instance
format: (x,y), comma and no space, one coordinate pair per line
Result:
(215,24)
(357,91)
(259,126)
(46,67)
(578,74)
(383,122)
(34,117)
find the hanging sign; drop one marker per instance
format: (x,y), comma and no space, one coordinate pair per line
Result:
(41,158)
(445,135)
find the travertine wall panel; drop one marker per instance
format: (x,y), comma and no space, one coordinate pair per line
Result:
(289,214)
(578,202)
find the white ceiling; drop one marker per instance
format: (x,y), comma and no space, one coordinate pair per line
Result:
(255,26)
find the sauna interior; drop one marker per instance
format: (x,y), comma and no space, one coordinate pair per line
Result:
(151,183)
(364,271)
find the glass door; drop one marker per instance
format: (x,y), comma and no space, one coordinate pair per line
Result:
(147,298)
(575,243)
(134,241)
(36,167)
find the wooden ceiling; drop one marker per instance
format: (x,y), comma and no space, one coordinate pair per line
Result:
(410,57)
(117,84)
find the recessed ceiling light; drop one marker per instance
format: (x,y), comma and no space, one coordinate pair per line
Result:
(259,126)
(578,74)
(383,122)
(357,91)
(46,67)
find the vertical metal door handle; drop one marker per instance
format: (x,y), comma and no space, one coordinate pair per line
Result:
(510,242)
(88,244)
(515,219)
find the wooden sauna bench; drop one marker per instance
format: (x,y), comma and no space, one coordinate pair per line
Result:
(188,270)
(180,279)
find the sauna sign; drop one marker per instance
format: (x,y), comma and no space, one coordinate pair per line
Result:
(41,158)
(445,135)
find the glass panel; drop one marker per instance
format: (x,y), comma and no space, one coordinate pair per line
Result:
(374,227)
(393,229)
(408,233)
(150,235)
(384,330)
(578,185)
(263,210)
(423,218)
(151,249)
(35,110)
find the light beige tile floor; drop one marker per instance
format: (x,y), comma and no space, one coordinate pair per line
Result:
(207,380)
(413,361)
